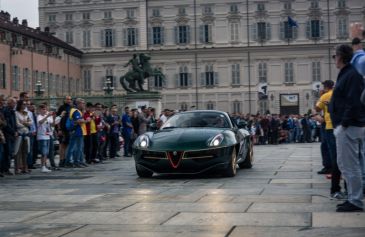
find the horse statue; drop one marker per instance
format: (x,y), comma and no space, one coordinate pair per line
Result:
(134,79)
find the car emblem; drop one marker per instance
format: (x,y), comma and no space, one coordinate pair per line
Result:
(174,153)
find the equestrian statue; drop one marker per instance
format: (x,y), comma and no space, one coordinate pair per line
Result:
(134,79)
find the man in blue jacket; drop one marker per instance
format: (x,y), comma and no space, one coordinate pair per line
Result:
(348,118)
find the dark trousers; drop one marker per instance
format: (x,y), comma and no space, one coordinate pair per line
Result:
(127,141)
(326,157)
(90,147)
(113,141)
(8,154)
(336,173)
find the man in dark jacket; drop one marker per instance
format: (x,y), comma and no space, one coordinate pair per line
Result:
(10,134)
(348,118)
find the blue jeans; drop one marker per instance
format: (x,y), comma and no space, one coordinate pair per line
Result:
(326,157)
(75,150)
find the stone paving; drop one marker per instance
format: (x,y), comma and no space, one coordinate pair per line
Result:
(282,195)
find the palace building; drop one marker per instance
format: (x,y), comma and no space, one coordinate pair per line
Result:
(35,61)
(236,56)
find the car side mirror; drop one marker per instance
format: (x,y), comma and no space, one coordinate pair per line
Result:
(242,124)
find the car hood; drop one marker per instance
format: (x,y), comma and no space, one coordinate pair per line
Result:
(182,139)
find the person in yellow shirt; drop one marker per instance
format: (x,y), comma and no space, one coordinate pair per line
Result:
(330,140)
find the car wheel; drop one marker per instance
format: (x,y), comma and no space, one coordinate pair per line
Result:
(231,169)
(247,163)
(143,173)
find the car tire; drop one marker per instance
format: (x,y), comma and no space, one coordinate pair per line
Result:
(231,170)
(247,163)
(143,172)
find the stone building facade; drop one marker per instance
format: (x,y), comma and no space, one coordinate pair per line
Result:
(236,56)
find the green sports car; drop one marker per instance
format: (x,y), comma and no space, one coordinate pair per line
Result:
(194,142)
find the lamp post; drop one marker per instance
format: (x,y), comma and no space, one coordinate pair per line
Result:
(109,88)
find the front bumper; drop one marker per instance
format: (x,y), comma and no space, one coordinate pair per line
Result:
(184,162)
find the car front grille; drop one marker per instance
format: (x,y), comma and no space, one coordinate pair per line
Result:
(155,155)
(203,154)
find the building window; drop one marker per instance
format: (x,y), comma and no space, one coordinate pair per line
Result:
(130,13)
(209,75)
(16,77)
(157,35)
(207,10)
(236,107)
(289,72)
(58,85)
(183,77)
(260,7)
(130,36)
(110,74)
(206,34)
(156,12)
(64,85)
(287,32)
(51,83)
(316,71)
(210,105)
(182,11)
(43,81)
(341,3)
(26,79)
(184,106)
(263,31)
(158,82)
(109,38)
(315,29)
(87,80)
(3,76)
(182,34)
(86,39)
(233,8)
(107,15)
(69,37)
(86,15)
(342,28)
(68,16)
(235,74)
(234,31)
(314,4)
(287,6)
(262,69)
(52,18)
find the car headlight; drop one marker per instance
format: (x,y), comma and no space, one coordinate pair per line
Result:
(144,141)
(217,140)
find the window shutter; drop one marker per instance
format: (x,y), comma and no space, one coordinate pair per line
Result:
(125,37)
(102,83)
(321,29)
(295,32)
(162,35)
(137,36)
(282,30)
(216,78)
(210,33)
(164,82)
(254,31)
(201,33)
(190,80)
(177,77)
(114,38)
(188,34)
(102,38)
(115,84)
(84,38)
(202,79)
(176,33)
(268,31)
(150,35)
(308,30)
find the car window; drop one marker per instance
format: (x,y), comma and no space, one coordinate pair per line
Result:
(197,119)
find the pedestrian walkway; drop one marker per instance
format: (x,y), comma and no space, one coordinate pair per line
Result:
(282,195)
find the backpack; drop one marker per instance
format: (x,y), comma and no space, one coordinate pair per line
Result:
(70,125)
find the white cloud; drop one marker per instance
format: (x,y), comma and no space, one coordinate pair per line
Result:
(23,9)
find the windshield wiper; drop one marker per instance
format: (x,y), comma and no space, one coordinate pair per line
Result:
(169,127)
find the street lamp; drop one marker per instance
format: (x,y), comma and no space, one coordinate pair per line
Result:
(108,88)
(38,89)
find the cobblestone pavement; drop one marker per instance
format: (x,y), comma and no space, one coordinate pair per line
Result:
(282,195)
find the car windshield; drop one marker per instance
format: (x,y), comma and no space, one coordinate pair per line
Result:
(197,119)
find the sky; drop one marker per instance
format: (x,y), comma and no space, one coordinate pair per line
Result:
(23,9)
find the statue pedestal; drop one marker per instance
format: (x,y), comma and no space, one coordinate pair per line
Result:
(145,98)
